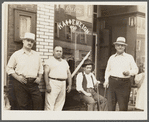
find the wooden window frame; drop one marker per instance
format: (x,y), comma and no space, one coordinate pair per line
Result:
(57,33)
(17,14)
(66,33)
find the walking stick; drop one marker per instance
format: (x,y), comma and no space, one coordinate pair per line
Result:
(104,96)
(99,106)
(98,102)
(105,92)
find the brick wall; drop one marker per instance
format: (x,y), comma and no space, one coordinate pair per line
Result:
(11,45)
(44,33)
(45,29)
(14,46)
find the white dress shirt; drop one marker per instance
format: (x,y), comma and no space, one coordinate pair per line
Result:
(28,65)
(117,64)
(79,80)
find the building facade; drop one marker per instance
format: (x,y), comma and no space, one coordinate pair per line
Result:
(78,29)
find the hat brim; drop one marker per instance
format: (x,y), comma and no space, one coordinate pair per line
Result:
(87,64)
(27,38)
(120,43)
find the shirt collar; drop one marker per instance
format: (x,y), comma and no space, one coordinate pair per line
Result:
(123,54)
(88,74)
(23,51)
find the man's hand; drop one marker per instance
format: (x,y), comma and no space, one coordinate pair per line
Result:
(22,79)
(68,88)
(38,79)
(106,84)
(48,88)
(126,73)
(88,94)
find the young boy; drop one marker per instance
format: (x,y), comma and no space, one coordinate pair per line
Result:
(85,85)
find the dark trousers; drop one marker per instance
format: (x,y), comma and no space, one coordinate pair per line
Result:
(118,91)
(11,95)
(27,94)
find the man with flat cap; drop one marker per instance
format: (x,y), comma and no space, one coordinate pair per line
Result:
(86,84)
(120,67)
(26,69)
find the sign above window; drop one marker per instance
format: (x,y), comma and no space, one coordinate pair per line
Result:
(74,24)
(74,10)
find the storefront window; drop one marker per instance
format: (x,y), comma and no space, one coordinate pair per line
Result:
(68,32)
(73,27)
(25,25)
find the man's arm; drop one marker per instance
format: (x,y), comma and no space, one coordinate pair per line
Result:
(46,78)
(38,79)
(69,81)
(134,69)
(107,74)
(40,72)
(20,78)
(11,65)
(10,69)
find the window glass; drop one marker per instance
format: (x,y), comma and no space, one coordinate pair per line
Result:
(74,27)
(25,25)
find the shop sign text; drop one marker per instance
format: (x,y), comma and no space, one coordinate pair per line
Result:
(73,22)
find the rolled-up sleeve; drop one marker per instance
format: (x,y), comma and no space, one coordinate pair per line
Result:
(10,68)
(94,79)
(107,71)
(133,67)
(79,80)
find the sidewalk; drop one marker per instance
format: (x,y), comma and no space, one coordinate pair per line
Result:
(74,104)
(83,108)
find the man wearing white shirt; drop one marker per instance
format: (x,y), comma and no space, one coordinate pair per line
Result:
(56,73)
(85,84)
(120,67)
(26,69)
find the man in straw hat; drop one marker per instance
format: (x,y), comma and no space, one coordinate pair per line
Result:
(120,67)
(85,85)
(26,69)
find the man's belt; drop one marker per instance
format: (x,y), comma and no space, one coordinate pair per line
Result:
(57,79)
(30,79)
(117,78)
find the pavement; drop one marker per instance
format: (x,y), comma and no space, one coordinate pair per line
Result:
(83,108)
(73,103)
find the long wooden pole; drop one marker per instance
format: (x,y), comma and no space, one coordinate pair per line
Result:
(81,63)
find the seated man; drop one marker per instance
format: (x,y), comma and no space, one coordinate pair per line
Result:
(85,85)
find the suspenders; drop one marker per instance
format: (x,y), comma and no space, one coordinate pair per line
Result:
(91,78)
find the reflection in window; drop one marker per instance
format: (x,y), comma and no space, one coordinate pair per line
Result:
(81,39)
(68,33)
(56,30)
(25,25)
(57,7)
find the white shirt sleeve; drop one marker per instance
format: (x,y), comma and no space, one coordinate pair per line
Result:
(133,67)
(107,71)
(79,80)
(94,79)
(47,62)
(10,69)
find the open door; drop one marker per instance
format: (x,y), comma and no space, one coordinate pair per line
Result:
(103,53)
